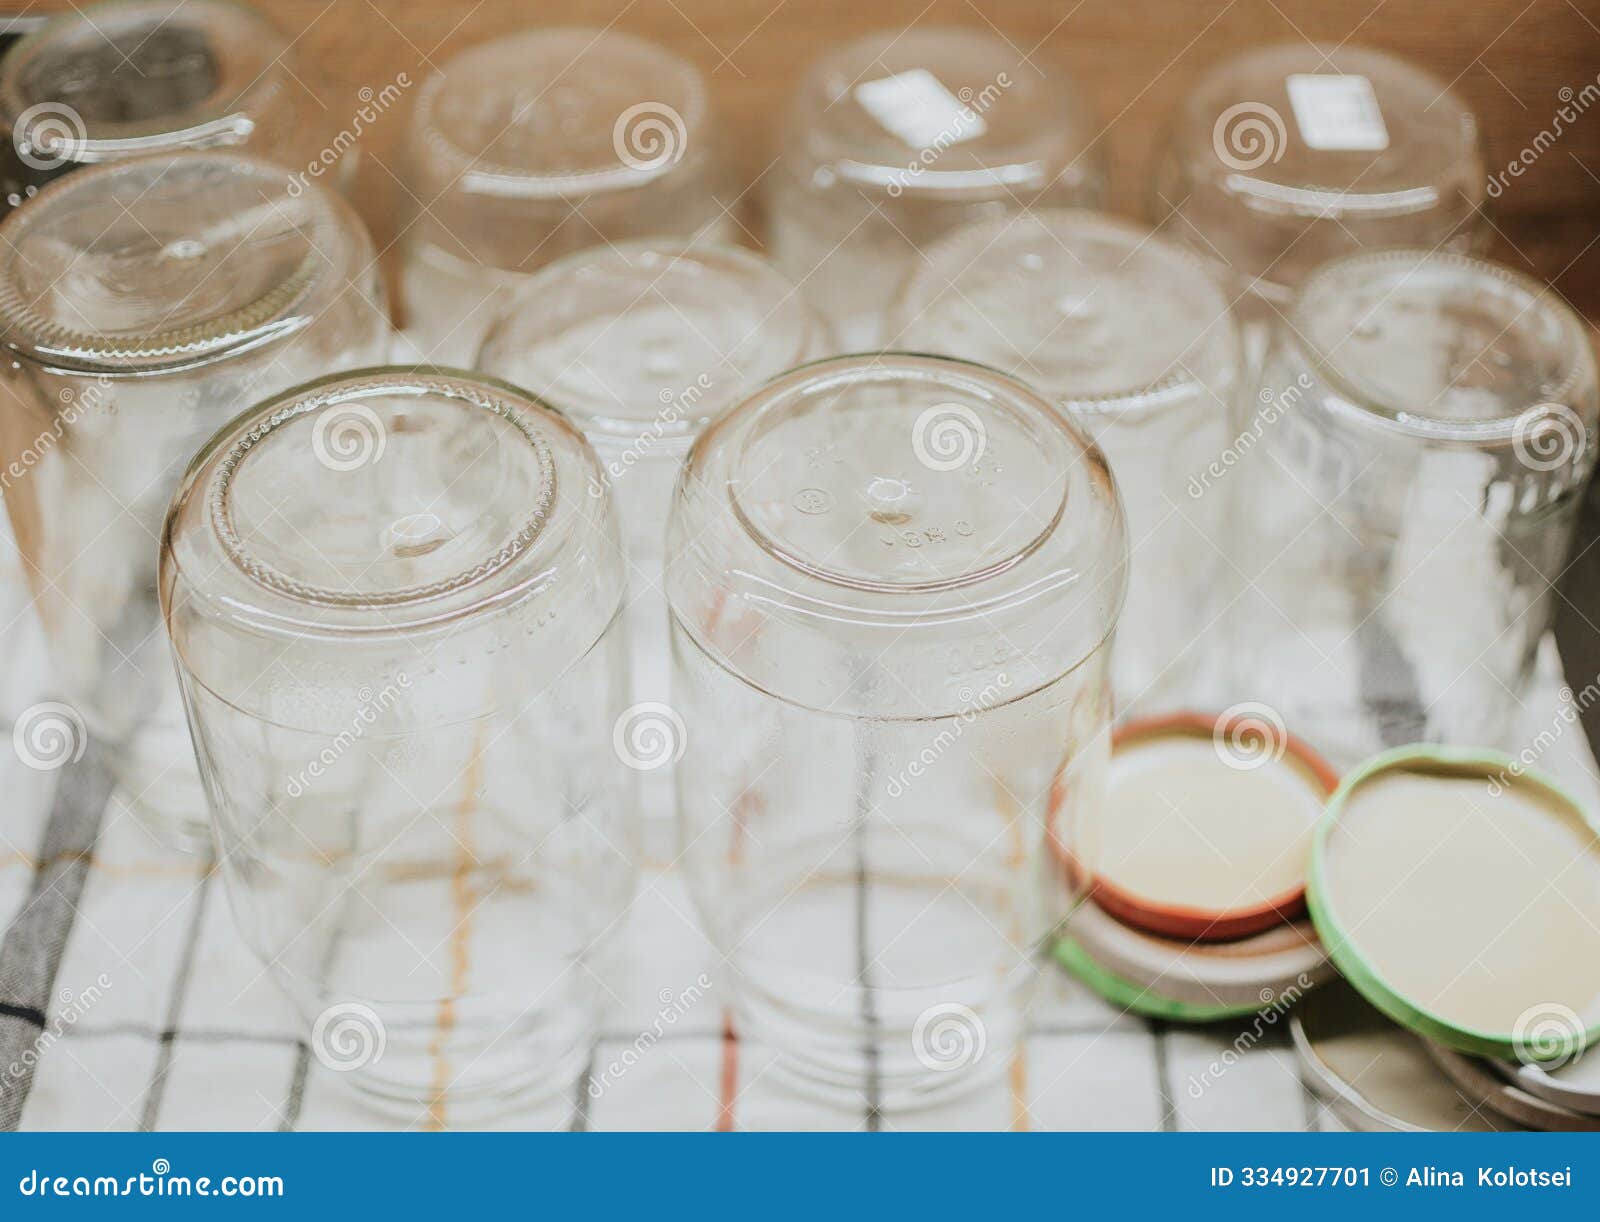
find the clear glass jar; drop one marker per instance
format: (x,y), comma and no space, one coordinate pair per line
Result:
(1283,157)
(391,603)
(1138,348)
(146,302)
(536,145)
(900,136)
(893,582)
(1413,473)
(641,344)
(131,77)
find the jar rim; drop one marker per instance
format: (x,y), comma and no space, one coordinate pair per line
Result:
(1514,426)
(763,288)
(782,396)
(1200,131)
(334,393)
(473,174)
(275,312)
(1178,383)
(222,117)
(1031,161)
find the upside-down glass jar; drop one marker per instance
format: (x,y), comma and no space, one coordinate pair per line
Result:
(1136,346)
(144,303)
(641,344)
(532,146)
(897,137)
(1418,456)
(893,582)
(131,77)
(1284,157)
(391,602)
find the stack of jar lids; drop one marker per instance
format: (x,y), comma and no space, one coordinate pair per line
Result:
(1459,895)
(1197,909)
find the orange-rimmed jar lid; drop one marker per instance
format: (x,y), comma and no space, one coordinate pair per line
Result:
(1206,827)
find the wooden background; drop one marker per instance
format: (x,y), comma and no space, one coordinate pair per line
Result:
(1134,58)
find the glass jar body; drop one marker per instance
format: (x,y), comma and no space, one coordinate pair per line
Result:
(429,844)
(851,245)
(1399,586)
(893,582)
(873,881)
(402,665)
(95,458)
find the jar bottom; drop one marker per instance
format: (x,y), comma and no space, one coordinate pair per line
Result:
(457,1061)
(886,1066)
(479,1102)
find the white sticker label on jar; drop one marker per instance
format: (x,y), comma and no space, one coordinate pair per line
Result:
(1337,112)
(916,108)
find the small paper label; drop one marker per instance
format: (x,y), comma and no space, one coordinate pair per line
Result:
(916,108)
(1337,112)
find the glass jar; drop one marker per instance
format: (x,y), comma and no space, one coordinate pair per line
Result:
(130,77)
(893,581)
(640,344)
(146,302)
(391,601)
(1283,157)
(897,137)
(536,145)
(1414,470)
(1138,348)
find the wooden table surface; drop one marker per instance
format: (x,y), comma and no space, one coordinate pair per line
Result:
(1134,59)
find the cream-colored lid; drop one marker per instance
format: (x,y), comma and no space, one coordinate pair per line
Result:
(1186,825)
(1482,907)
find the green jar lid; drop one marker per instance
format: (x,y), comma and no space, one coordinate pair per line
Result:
(1136,998)
(1451,886)
(1220,978)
